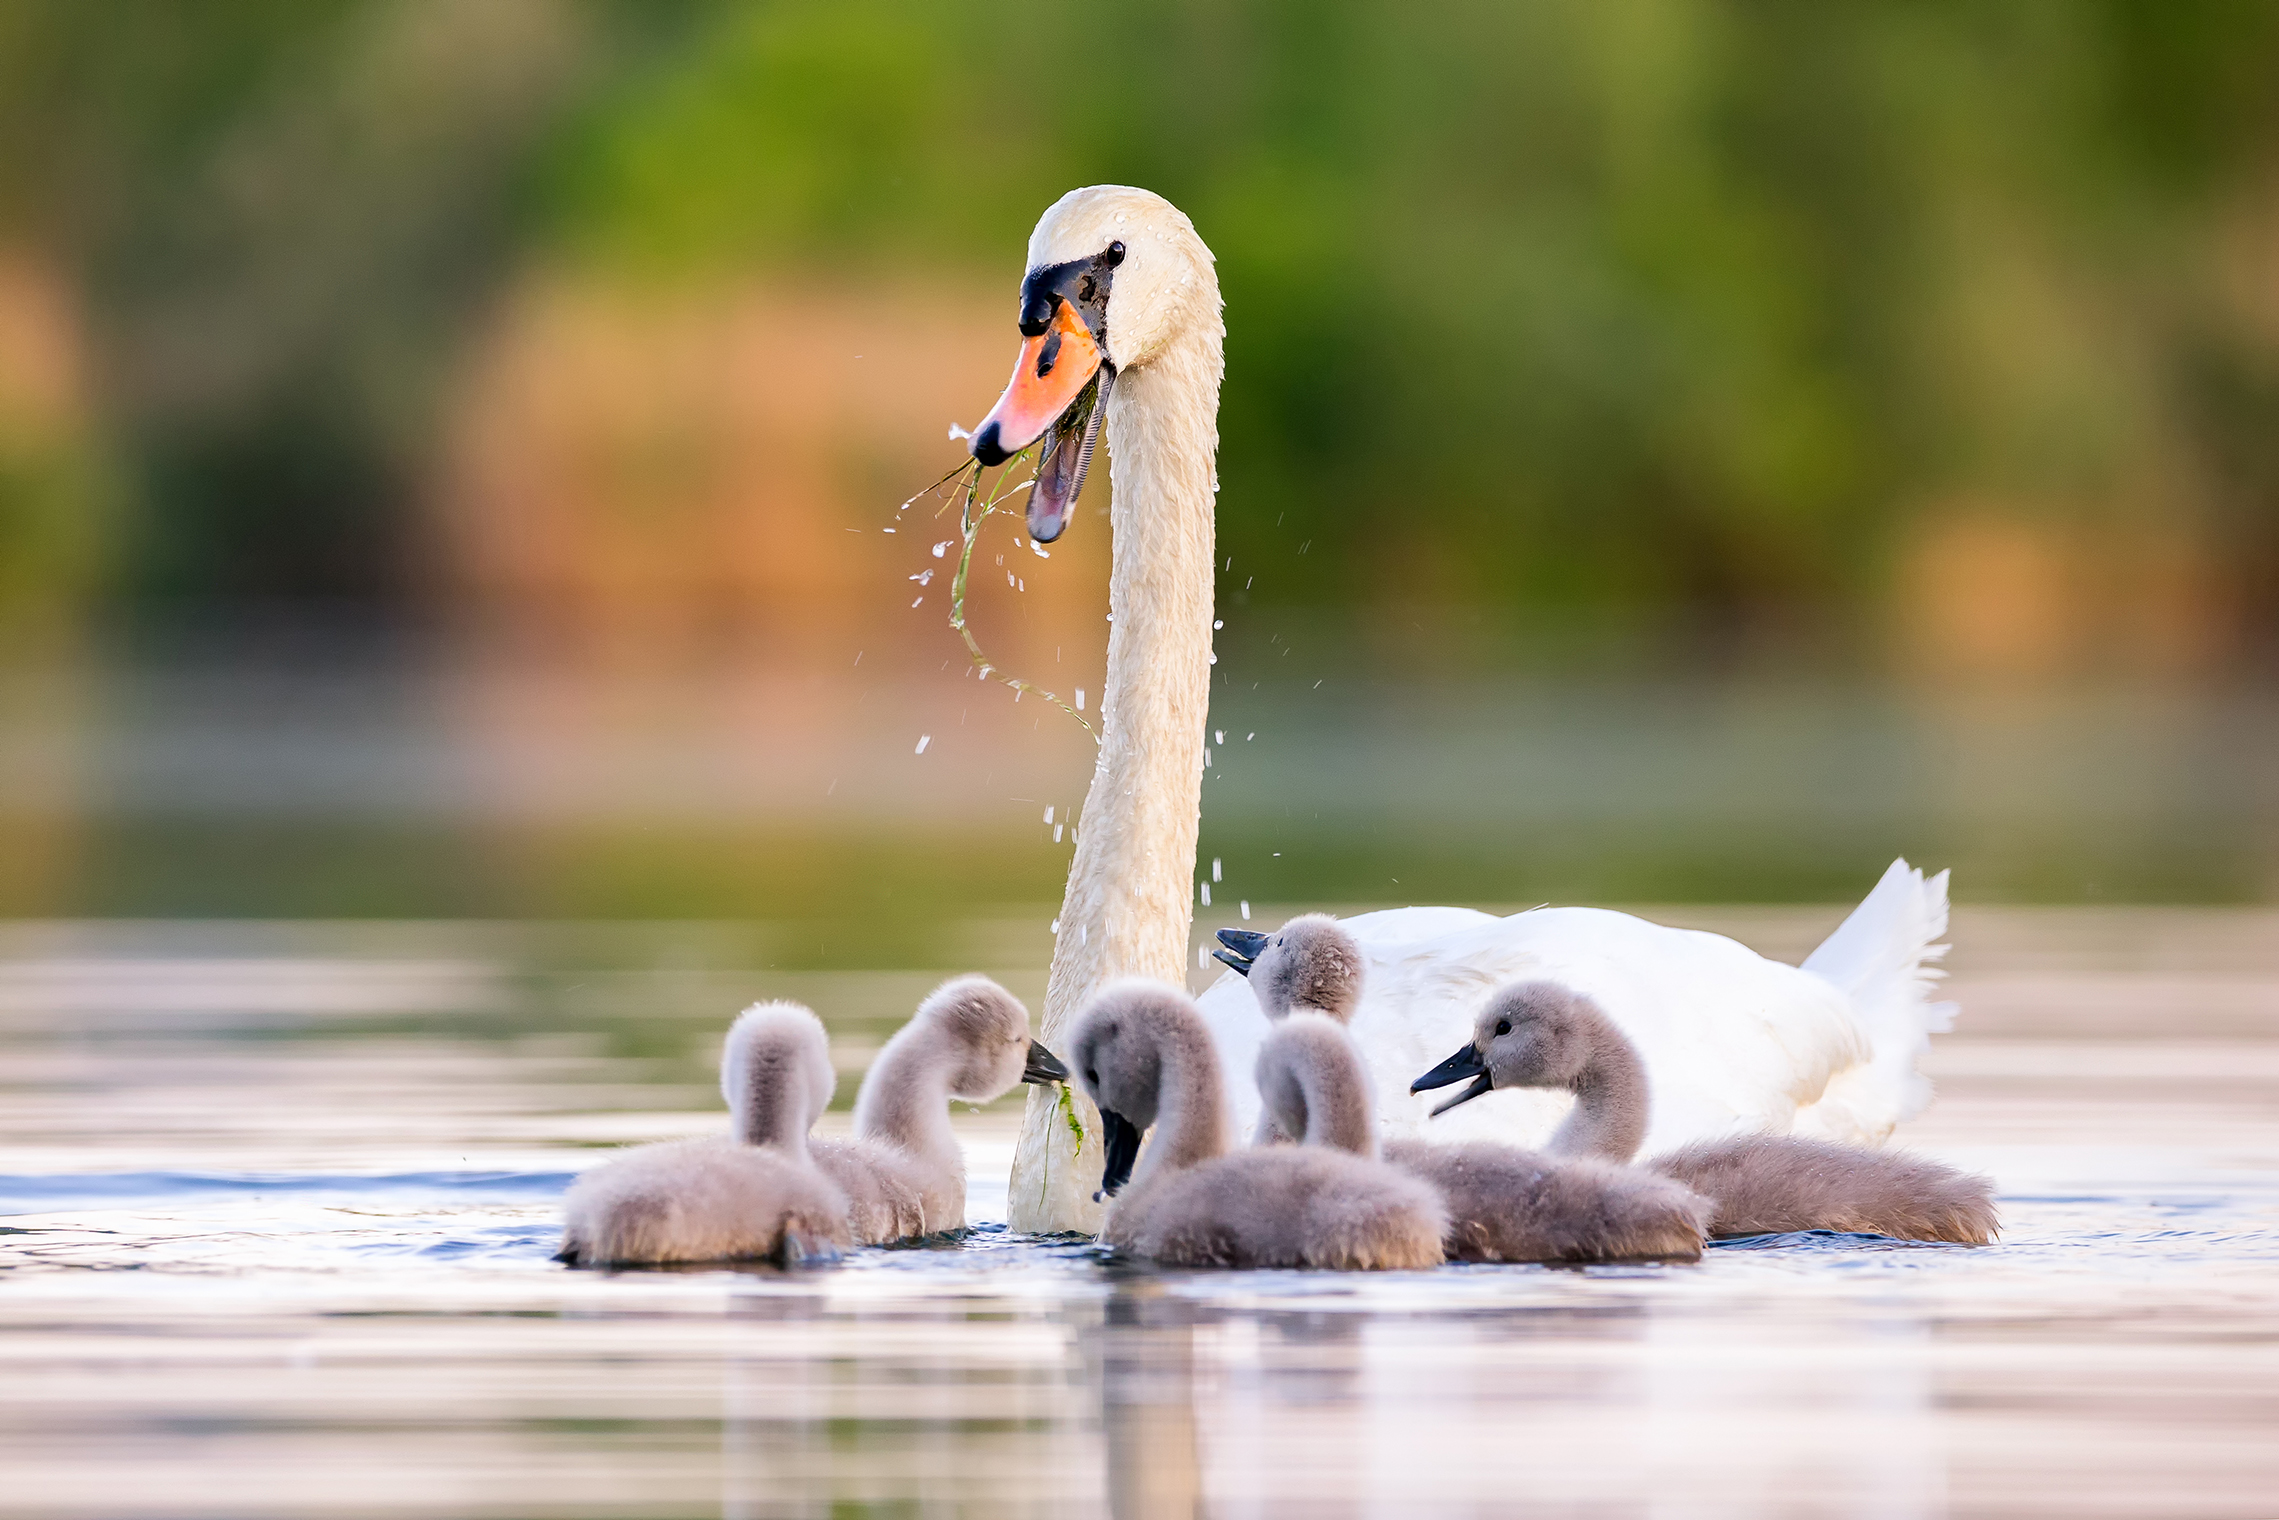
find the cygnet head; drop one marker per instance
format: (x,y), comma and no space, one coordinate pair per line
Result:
(1530,1034)
(1117,1051)
(1310,962)
(776,1054)
(987,1034)
(1116,275)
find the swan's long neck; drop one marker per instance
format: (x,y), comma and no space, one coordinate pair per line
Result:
(1311,1079)
(905,1097)
(1128,910)
(772,1107)
(1190,1113)
(1609,1117)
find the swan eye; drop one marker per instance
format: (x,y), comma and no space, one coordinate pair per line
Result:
(1114,255)
(1503,1026)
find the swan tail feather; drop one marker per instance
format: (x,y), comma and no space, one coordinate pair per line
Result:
(1885,959)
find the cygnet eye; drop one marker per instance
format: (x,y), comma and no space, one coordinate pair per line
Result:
(1503,1026)
(1091,1077)
(1115,254)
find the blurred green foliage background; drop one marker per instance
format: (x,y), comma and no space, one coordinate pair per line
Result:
(1606,308)
(1915,338)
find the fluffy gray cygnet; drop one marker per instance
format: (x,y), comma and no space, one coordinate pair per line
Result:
(1145,1057)
(1504,1203)
(755,1194)
(904,1172)
(1544,1034)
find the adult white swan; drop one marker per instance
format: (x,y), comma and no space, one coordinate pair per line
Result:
(1120,317)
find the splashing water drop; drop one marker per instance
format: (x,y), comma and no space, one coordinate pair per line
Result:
(1246,910)
(1205,888)
(1218,736)
(1080,699)
(1218,872)
(923,741)
(1048,815)
(1056,828)
(958,434)
(943,547)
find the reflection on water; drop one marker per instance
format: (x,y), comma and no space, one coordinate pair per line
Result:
(276,1237)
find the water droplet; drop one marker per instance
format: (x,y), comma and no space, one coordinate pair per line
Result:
(1205,888)
(1218,736)
(1218,623)
(1080,699)
(1056,828)
(1217,871)
(1048,815)
(923,741)
(1246,910)
(943,547)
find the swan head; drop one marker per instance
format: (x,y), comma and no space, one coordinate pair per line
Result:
(987,1033)
(1116,1049)
(1530,1034)
(1116,275)
(1309,962)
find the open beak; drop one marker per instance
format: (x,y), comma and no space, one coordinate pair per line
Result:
(1242,948)
(1044,1067)
(1052,391)
(1465,1063)
(1123,1150)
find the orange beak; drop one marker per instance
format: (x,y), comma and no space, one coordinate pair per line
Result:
(1052,372)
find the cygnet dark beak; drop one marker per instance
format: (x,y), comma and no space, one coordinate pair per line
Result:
(1243,947)
(1044,1067)
(1465,1063)
(1123,1150)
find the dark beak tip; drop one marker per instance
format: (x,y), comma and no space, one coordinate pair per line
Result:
(1237,963)
(1043,1067)
(986,448)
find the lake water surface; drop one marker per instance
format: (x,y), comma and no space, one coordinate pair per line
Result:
(278,1202)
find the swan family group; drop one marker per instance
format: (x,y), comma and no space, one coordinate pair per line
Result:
(1318,1186)
(1581,1037)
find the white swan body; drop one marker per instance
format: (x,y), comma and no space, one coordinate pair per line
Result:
(1733,1043)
